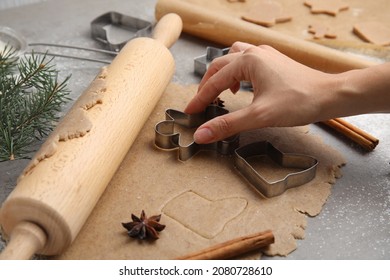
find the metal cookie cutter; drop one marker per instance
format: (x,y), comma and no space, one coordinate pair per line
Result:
(308,165)
(202,63)
(166,138)
(106,27)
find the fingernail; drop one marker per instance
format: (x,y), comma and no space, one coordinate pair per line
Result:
(203,135)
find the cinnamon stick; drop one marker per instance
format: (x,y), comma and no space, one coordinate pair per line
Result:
(362,138)
(234,247)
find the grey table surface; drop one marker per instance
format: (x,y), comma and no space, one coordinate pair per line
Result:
(355,221)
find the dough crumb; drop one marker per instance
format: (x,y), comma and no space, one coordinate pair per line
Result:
(320,31)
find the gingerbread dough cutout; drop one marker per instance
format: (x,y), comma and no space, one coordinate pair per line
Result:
(266,13)
(203,201)
(330,7)
(373,32)
(320,31)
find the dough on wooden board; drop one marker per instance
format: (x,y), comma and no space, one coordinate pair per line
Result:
(341,24)
(203,201)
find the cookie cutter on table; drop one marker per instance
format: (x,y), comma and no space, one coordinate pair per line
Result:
(166,138)
(102,29)
(202,63)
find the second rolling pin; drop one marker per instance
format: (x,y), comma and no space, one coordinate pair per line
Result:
(220,27)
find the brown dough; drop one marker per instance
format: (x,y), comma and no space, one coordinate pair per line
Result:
(203,201)
(373,32)
(266,13)
(359,11)
(330,7)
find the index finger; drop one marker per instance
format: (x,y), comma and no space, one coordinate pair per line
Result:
(239,47)
(225,78)
(216,65)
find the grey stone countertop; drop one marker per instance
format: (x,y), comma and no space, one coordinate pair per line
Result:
(355,221)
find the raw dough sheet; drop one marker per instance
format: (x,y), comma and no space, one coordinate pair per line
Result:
(203,201)
(341,25)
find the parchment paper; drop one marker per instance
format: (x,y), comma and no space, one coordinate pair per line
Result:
(204,200)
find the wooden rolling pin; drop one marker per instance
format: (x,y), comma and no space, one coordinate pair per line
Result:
(225,29)
(58,190)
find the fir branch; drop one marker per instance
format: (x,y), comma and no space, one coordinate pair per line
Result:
(30,98)
(8,60)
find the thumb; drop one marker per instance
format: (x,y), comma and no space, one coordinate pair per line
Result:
(222,127)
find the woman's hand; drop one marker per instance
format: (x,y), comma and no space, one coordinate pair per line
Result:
(286,93)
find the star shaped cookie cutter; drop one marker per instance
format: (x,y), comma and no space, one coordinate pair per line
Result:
(167,139)
(202,63)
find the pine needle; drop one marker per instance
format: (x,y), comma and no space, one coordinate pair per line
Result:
(30,99)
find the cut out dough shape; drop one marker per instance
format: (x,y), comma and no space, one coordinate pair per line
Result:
(201,209)
(373,32)
(266,13)
(320,31)
(330,7)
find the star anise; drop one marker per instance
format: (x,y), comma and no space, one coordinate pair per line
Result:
(144,227)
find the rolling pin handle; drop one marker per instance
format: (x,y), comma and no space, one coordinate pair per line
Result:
(26,239)
(168,29)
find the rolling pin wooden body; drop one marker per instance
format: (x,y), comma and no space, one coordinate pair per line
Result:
(220,27)
(64,181)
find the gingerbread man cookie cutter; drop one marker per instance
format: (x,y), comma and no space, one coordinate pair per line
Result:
(167,139)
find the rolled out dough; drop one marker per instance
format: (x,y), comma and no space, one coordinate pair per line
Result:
(374,32)
(203,201)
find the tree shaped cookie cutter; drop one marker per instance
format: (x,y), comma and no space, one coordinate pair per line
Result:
(166,138)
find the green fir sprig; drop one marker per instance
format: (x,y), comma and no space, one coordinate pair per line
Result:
(30,98)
